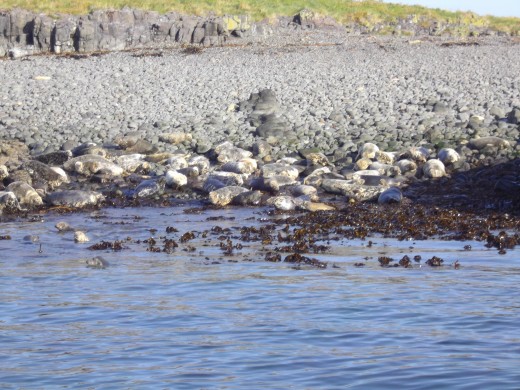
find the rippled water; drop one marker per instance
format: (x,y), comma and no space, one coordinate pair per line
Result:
(199,319)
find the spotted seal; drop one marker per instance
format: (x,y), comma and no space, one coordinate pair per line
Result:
(25,194)
(448,156)
(391,195)
(481,143)
(175,179)
(74,198)
(368,150)
(97,262)
(149,188)
(90,164)
(39,170)
(434,168)
(223,196)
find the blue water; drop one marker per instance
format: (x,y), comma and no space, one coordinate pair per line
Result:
(200,320)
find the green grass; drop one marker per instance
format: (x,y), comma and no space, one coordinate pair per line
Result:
(368,12)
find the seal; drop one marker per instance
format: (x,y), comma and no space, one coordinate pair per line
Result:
(90,164)
(26,195)
(74,198)
(406,165)
(391,195)
(278,169)
(368,150)
(80,237)
(149,188)
(97,262)
(282,202)
(243,166)
(39,170)
(248,198)
(481,143)
(434,168)
(223,196)
(448,156)
(175,179)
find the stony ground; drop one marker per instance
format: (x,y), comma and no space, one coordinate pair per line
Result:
(334,92)
(327,93)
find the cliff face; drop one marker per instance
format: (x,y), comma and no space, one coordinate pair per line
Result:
(24,33)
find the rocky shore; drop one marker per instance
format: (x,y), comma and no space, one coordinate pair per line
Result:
(314,121)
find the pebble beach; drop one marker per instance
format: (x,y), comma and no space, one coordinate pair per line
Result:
(319,92)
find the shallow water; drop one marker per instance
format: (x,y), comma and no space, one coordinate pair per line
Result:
(199,319)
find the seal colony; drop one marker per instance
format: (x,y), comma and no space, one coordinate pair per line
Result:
(322,123)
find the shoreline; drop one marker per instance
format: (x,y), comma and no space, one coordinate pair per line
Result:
(146,127)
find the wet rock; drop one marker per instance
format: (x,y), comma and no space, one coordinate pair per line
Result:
(223,196)
(74,198)
(13,151)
